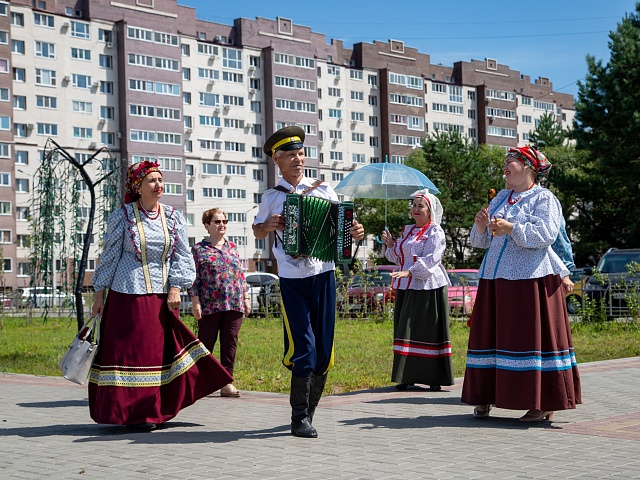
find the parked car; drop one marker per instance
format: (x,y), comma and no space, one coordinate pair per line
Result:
(574,299)
(463,290)
(6,302)
(39,297)
(369,291)
(615,281)
(264,289)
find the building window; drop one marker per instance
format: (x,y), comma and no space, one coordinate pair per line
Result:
(17,46)
(24,269)
(17,19)
(45,77)
(21,157)
(22,185)
(106,61)
(42,19)
(106,87)
(23,241)
(48,129)
(173,189)
(80,30)
(212,192)
(105,35)
(44,101)
(19,74)
(82,132)
(82,107)
(22,213)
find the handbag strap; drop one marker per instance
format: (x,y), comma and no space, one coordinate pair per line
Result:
(91,326)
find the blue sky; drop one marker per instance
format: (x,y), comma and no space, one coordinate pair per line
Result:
(544,38)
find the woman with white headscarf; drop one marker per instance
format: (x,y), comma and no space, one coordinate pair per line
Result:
(421,344)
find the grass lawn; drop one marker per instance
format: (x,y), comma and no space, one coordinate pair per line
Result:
(363,350)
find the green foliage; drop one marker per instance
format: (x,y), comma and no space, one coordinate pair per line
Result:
(548,133)
(567,182)
(463,172)
(607,126)
(371,213)
(59,232)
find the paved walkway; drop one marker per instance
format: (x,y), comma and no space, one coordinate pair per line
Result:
(46,432)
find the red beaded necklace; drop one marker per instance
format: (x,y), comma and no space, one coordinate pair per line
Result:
(512,202)
(421,231)
(146,214)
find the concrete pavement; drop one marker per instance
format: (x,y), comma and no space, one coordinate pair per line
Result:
(46,432)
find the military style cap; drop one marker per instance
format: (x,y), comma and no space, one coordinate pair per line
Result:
(287,138)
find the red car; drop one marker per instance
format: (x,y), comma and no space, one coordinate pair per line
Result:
(368,290)
(463,290)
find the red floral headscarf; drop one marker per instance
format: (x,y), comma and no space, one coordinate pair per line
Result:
(135,174)
(532,158)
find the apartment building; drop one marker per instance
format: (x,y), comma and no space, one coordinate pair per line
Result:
(149,80)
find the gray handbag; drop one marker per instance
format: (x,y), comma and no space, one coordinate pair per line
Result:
(76,363)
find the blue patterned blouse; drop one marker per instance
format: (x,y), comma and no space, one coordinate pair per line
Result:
(220,282)
(526,253)
(121,267)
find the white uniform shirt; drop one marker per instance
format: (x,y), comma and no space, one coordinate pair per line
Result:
(272,203)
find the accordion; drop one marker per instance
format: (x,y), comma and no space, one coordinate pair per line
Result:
(318,228)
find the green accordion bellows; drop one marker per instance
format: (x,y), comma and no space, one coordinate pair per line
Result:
(318,228)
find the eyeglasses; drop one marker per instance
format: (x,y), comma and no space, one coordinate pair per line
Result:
(218,222)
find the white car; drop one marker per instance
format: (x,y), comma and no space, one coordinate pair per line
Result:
(41,296)
(264,289)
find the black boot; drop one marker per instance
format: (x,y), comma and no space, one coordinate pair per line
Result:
(317,387)
(299,400)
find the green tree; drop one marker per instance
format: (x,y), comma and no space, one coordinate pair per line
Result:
(607,127)
(549,132)
(463,172)
(566,181)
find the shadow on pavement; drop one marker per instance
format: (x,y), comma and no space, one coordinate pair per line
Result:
(444,421)
(168,434)
(56,404)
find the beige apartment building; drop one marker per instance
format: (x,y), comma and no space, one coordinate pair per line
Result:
(147,79)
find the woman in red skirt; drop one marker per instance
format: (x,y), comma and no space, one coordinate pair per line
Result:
(149,365)
(520,353)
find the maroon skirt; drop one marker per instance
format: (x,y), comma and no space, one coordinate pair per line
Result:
(149,365)
(520,354)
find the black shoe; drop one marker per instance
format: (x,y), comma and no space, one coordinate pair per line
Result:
(142,427)
(403,386)
(435,388)
(303,429)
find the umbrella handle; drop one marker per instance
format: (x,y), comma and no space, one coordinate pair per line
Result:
(378,240)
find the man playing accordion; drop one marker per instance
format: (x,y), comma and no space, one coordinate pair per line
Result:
(307,284)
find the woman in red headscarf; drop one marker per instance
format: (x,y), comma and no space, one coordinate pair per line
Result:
(149,365)
(421,341)
(520,354)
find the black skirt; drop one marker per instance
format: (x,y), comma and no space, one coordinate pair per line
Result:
(421,343)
